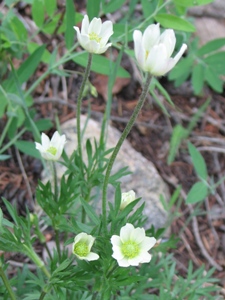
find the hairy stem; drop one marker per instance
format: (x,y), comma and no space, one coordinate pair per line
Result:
(118,146)
(7,284)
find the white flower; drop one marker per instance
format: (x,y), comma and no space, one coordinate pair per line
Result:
(82,246)
(132,246)
(51,149)
(153,51)
(127,198)
(94,36)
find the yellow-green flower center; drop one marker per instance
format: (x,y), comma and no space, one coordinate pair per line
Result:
(52,150)
(94,37)
(130,249)
(81,249)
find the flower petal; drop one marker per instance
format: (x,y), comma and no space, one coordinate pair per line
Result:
(138,235)
(147,243)
(92,256)
(123,262)
(45,141)
(169,40)
(125,232)
(150,36)
(84,25)
(95,26)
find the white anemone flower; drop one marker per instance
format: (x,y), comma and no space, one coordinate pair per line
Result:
(51,149)
(94,36)
(132,246)
(127,198)
(153,51)
(82,247)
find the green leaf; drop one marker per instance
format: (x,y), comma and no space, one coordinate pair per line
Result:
(198,161)
(213,80)
(183,67)
(4,156)
(70,16)
(50,7)
(93,8)
(46,56)
(112,6)
(189,3)
(100,64)
(197,78)
(211,46)
(90,211)
(174,22)
(179,133)
(197,193)
(28,148)
(38,12)
(1,219)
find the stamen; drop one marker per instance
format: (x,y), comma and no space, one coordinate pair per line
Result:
(52,150)
(130,249)
(81,249)
(94,37)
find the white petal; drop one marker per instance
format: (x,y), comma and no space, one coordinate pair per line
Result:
(103,49)
(150,36)
(138,235)
(39,147)
(106,32)
(92,256)
(45,141)
(157,60)
(85,25)
(115,240)
(95,26)
(123,262)
(134,261)
(145,257)
(117,254)
(147,243)
(55,140)
(169,40)
(125,232)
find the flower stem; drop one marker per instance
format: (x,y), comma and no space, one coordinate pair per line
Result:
(7,284)
(118,146)
(78,112)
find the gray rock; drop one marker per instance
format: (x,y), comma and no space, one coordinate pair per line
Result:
(144,180)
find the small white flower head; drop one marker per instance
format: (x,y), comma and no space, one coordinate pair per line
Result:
(153,51)
(127,198)
(94,36)
(51,149)
(132,246)
(82,247)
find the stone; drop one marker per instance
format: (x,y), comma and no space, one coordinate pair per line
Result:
(144,180)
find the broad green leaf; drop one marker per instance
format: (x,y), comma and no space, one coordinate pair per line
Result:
(100,64)
(28,148)
(50,7)
(42,125)
(197,193)
(197,78)
(213,80)
(198,161)
(183,67)
(216,58)
(174,22)
(46,56)
(93,8)
(148,7)
(179,133)
(189,3)
(19,29)
(211,46)
(70,16)
(112,6)
(38,12)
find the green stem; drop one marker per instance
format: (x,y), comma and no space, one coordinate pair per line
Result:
(54,174)
(78,112)
(7,284)
(36,259)
(43,294)
(118,146)
(57,241)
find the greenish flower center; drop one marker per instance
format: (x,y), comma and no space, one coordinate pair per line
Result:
(130,249)
(81,249)
(52,150)
(94,37)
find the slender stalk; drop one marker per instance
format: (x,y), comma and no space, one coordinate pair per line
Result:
(7,284)
(57,243)
(118,146)
(43,294)
(54,174)
(78,112)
